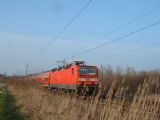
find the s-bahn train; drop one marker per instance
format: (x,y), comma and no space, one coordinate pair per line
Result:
(76,77)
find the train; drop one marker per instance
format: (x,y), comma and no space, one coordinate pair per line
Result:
(76,76)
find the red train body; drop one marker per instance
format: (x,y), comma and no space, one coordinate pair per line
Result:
(72,77)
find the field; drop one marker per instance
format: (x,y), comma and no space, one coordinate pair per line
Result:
(127,96)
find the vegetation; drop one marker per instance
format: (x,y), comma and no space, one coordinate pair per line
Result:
(8,109)
(130,95)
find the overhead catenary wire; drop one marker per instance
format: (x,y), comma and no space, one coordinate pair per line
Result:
(131,42)
(118,28)
(117,39)
(62,31)
(129,51)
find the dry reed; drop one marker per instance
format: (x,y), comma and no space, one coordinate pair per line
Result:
(41,104)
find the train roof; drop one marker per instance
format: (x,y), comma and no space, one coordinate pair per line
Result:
(78,63)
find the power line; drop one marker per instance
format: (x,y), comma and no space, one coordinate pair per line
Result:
(122,46)
(120,27)
(131,50)
(117,39)
(144,14)
(62,31)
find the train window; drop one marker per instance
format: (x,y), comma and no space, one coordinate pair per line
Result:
(87,71)
(72,71)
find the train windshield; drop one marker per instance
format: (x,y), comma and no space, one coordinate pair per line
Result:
(87,71)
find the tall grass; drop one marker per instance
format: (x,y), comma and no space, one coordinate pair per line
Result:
(8,109)
(130,96)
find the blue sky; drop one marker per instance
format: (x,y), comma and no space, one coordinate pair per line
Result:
(27,26)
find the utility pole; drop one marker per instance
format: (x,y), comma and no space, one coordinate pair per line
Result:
(27,69)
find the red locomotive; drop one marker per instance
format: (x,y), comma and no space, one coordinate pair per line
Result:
(76,76)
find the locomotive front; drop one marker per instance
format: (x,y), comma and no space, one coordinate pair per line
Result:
(87,79)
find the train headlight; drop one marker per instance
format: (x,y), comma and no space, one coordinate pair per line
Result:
(79,83)
(82,79)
